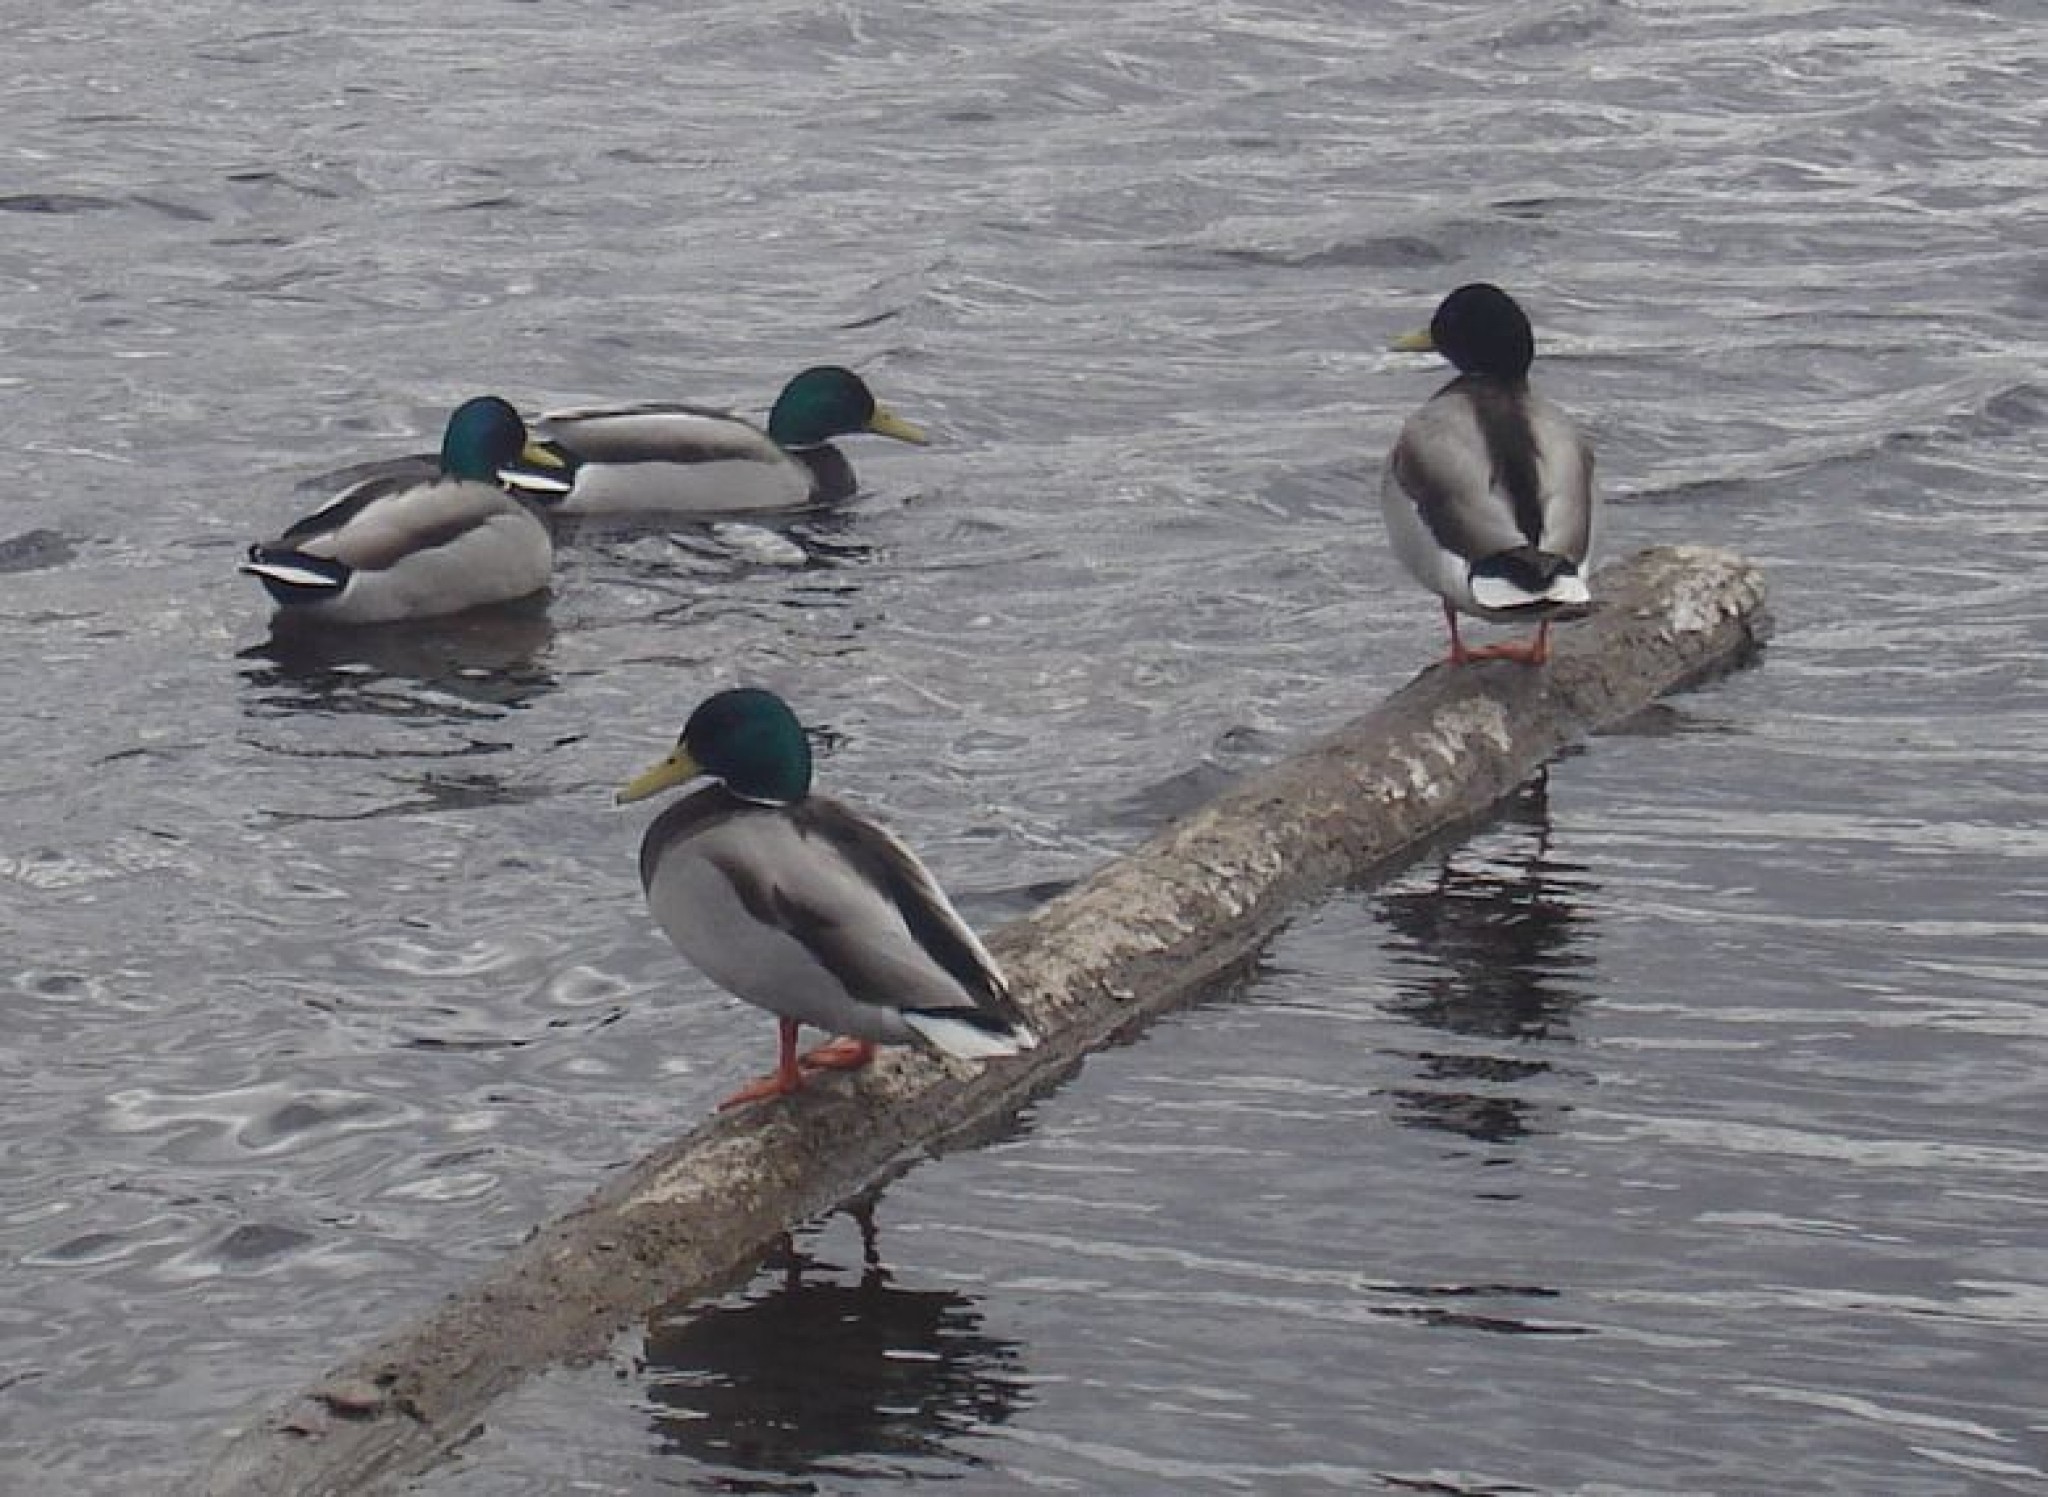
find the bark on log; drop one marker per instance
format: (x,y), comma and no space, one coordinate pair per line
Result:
(1141,936)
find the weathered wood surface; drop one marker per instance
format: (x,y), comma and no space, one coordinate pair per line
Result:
(1139,937)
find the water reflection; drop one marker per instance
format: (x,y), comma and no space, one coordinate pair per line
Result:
(1493,950)
(718,546)
(819,1371)
(481,663)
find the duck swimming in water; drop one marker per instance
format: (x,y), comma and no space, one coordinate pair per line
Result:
(424,540)
(675,459)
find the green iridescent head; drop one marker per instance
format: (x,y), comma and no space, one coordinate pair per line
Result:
(828,402)
(747,738)
(484,435)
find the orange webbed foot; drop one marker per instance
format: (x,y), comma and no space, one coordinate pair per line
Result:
(787,1077)
(839,1055)
(761,1090)
(1522,651)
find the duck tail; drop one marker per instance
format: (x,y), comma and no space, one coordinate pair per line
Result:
(543,486)
(293,576)
(968,1033)
(1527,577)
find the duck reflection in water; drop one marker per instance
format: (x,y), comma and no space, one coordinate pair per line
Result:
(417,701)
(1491,945)
(476,664)
(810,1375)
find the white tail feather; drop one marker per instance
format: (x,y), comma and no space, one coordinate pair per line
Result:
(1498,592)
(1567,588)
(526,481)
(966,1040)
(291,576)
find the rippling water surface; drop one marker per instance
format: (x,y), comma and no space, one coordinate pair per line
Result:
(1679,1132)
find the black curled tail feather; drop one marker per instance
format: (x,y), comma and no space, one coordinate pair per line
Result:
(293,577)
(1529,568)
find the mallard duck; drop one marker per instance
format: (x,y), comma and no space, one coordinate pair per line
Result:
(1488,492)
(416,543)
(683,459)
(804,906)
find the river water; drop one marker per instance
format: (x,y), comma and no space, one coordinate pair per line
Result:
(1679,1132)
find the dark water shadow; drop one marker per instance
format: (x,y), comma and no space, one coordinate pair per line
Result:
(486,662)
(37,550)
(1232,754)
(1492,949)
(360,698)
(822,1371)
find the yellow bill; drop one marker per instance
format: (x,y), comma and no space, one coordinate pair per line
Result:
(886,423)
(677,769)
(1414,343)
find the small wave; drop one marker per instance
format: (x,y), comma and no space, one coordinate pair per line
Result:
(55,202)
(1379,252)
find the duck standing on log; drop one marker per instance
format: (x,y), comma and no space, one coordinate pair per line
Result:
(804,906)
(1488,492)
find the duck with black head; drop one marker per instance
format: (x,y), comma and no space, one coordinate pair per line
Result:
(1488,492)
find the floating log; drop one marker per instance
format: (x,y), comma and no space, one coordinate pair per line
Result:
(1140,937)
